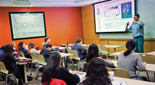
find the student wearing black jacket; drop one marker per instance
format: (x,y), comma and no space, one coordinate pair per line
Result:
(21,46)
(93,52)
(46,52)
(10,63)
(53,70)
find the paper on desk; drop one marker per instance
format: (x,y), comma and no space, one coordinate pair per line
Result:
(146,66)
(119,83)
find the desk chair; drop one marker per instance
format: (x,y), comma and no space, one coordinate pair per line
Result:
(75,57)
(22,54)
(40,59)
(148,58)
(119,72)
(4,71)
(102,50)
(34,56)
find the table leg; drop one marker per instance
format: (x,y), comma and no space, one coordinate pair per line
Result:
(114,52)
(25,73)
(63,61)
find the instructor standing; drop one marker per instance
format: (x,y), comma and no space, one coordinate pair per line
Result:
(137,28)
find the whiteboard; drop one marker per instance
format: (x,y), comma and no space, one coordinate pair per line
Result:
(112,16)
(147,15)
(25,25)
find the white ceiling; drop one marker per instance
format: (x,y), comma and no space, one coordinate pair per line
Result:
(53,3)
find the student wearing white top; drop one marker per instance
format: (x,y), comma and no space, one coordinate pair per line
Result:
(31,48)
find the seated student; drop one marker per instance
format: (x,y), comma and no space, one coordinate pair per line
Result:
(47,41)
(32,49)
(92,53)
(2,49)
(21,47)
(10,62)
(97,73)
(129,60)
(79,48)
(53,70)
(12,43)
(46,52)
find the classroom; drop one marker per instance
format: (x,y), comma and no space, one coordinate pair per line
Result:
(77,42)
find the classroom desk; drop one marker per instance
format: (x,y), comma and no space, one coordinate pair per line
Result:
(63,55)
(25,73)
(152,53)
(151,68)
(128,81)
(114,46)
(107,46)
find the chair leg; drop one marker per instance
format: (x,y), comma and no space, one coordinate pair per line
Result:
(115,58)
(147,75)
(14,79)
(37,73)
(138,73)
(72,64)
(6,79)
(31,68)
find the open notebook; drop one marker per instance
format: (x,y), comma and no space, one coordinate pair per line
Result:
(119,83)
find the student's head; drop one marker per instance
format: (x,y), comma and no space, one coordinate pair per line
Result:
(3,47)
(12,43)
(8,49)
(97,73)
(92,52)
(78,40)
(48,46)
(21,45)
(51,68)
(130,45)
(31,46)
(136,17)
(47,39)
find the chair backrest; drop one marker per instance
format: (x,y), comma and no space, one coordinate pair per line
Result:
(40,59)
(75,56)
(22,54)
(102,48)
(3,68)
(148,58)
(33,55)
(68,49)
(119,72)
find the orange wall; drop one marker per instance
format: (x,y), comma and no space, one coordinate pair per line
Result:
(63,24)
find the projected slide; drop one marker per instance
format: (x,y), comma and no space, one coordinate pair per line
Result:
(27,25)
(112,16)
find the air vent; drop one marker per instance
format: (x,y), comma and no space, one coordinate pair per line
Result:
(21,2)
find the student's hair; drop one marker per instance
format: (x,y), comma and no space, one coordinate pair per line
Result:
(7,56)
(46,38)
(12,43)
(130,45)
(31,45)
(92,52)
(3,47)
(97,73)
(137,15)
(20,45)
(48,45)
(78,40)
(52,68)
